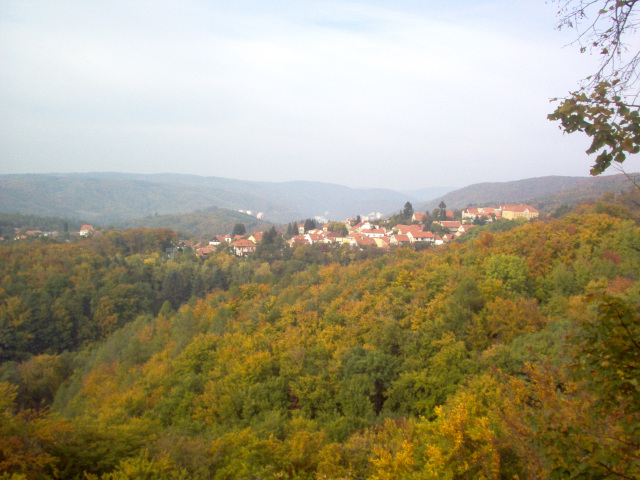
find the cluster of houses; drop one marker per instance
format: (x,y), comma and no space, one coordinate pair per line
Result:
(239,244)
(508,212)
(85,231)
(360,235)
(364,234)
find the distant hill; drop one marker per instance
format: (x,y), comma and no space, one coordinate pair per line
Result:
(200,224)
(114,198)
(542,192)
(106,198)
(426,194)
(591,188)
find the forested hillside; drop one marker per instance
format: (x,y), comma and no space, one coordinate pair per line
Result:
(200,224)
(546,193)
(511,355)
(108,198)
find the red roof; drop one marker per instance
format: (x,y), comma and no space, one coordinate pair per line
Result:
(402,238)
(363,241)
(299,239)
(422,235)
(404,229)
(243,243)
(450,224)
(518,208)
(202,252)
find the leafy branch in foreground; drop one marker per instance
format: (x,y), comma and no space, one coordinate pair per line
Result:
(613,125)
(604,107)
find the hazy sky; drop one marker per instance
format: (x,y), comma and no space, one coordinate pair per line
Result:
(396,94)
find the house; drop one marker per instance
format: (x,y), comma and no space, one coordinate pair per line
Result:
(373,233)
(256,237)
(415,236)
(451,225)
(399,240)
(463,229)
(218,239)
(510,212)
(298,240)
(243,247)
(204,252)
(314,238)
(470,214)
(448,238)
(488,213)
(364,241)
(405,229)
(382,242)
(332,237)
(86,230)
(418,217)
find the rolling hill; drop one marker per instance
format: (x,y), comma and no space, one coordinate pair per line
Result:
(201,224)
(114,197)
(118,198)
(545,193)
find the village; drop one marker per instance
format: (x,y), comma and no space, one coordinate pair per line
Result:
(360,233)
(420,230)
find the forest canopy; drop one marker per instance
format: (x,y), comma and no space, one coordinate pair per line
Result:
(513,353)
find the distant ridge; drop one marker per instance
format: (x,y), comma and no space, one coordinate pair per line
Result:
(541,192)
(114,197)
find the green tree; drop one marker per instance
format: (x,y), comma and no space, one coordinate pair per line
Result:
(407,212)
(269,236)
(443,210)
(239,229)
(309,224)
(510,270)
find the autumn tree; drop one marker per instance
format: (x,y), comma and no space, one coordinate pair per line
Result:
(604,107)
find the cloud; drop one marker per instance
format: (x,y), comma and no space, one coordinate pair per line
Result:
(345,92)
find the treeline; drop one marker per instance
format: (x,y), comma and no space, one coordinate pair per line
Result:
(512,354)
(9,221)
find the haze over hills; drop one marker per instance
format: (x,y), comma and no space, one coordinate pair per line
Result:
(113,197)
(119,198)
(542,192)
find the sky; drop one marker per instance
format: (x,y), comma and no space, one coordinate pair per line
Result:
(386,94)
